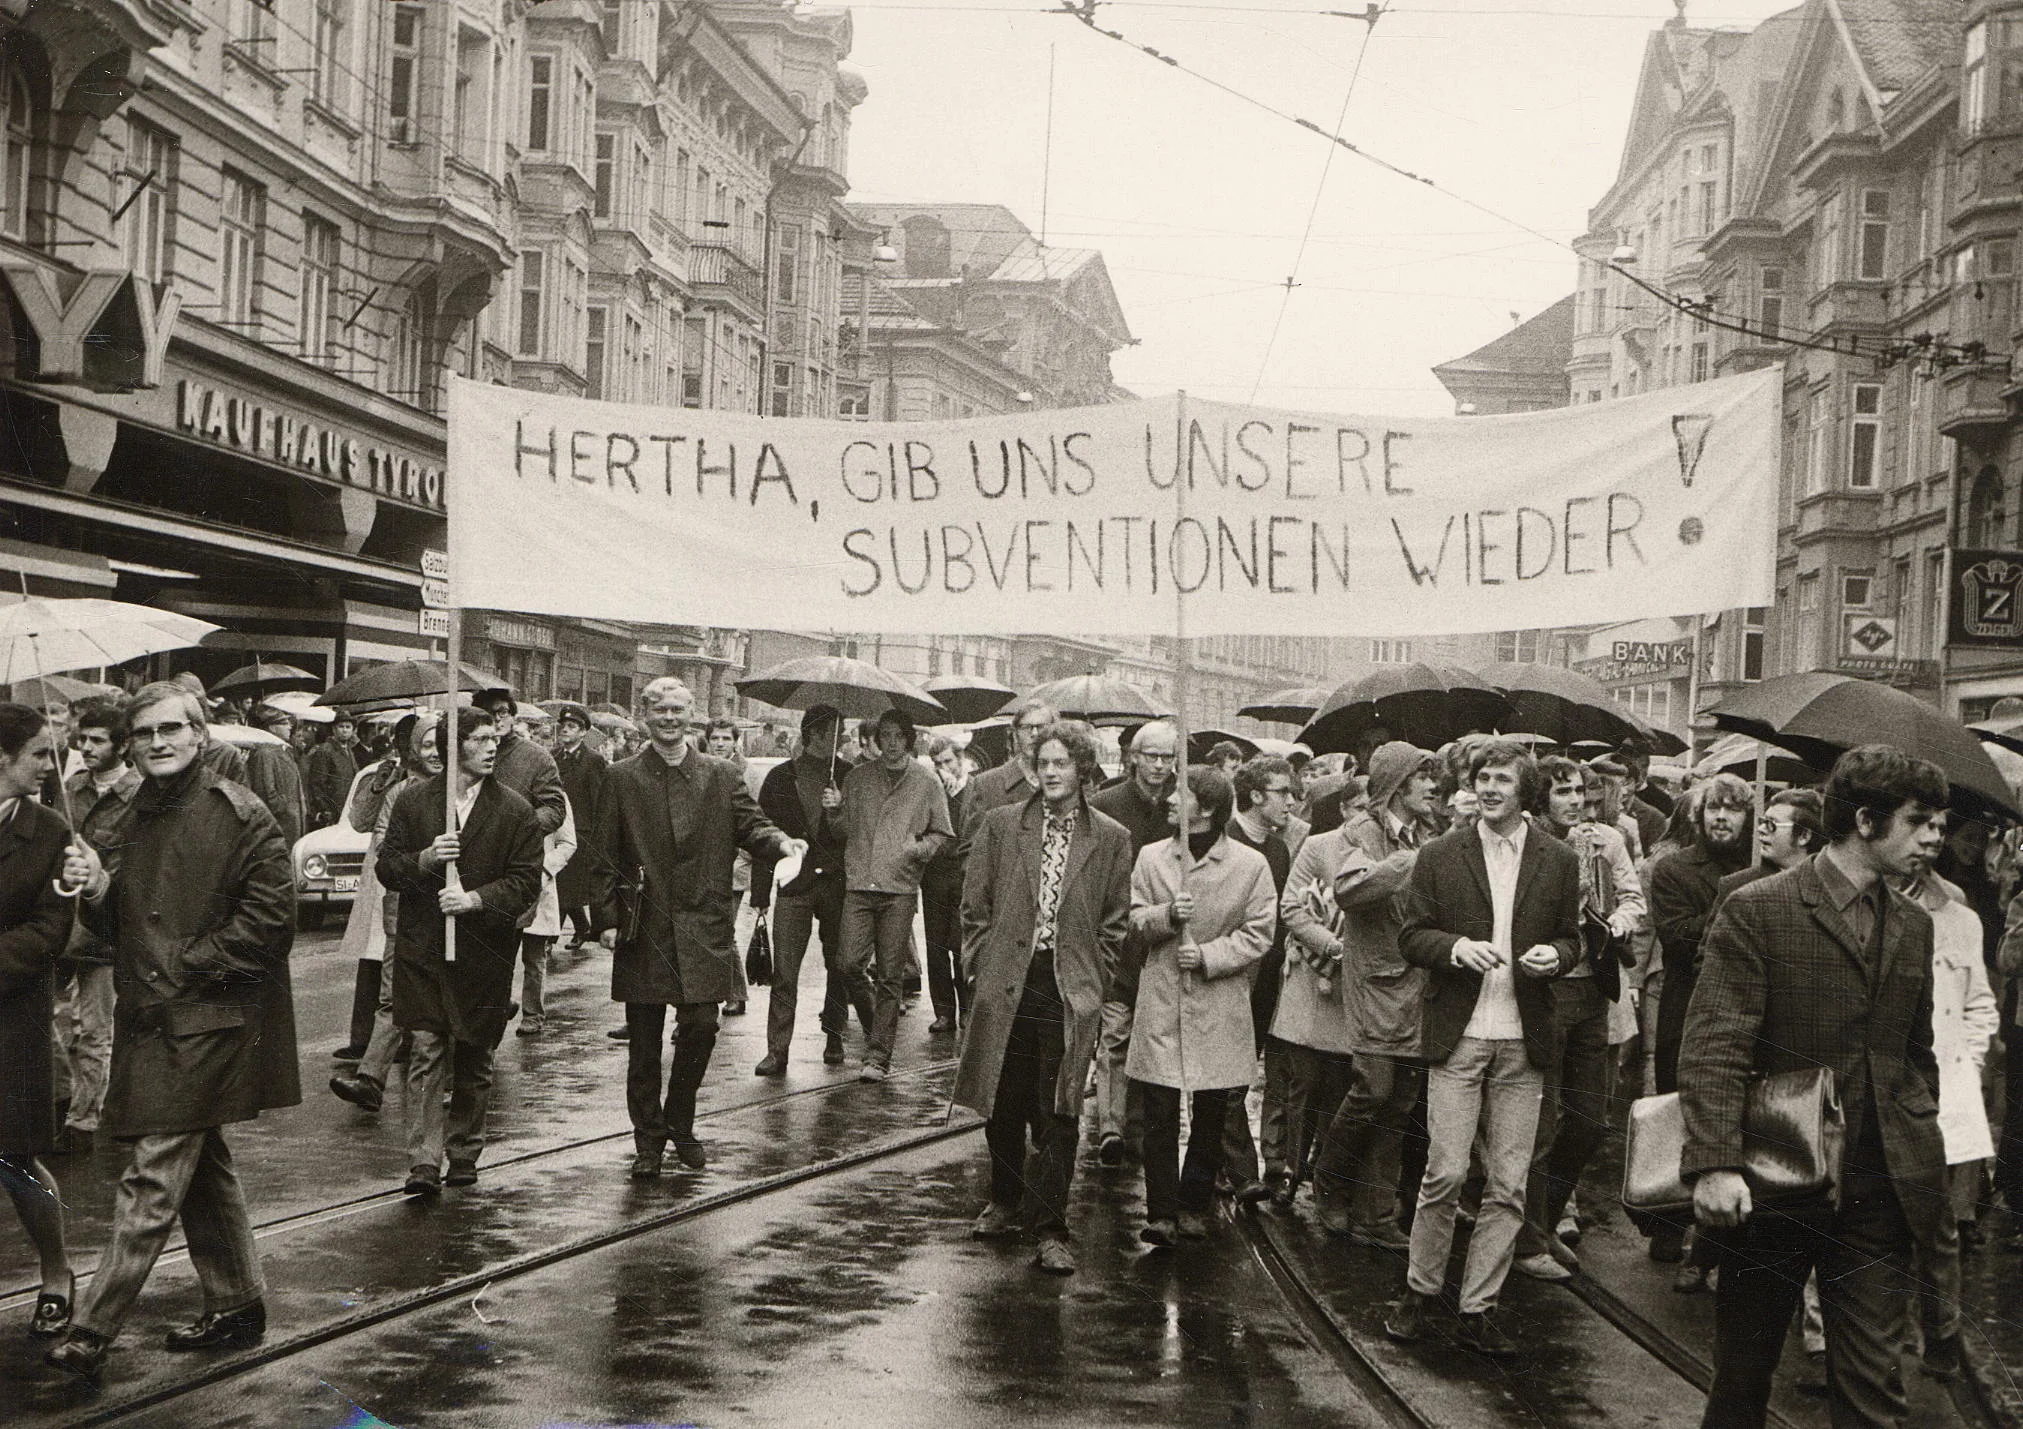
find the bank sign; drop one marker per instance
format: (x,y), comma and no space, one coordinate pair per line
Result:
(1987,598)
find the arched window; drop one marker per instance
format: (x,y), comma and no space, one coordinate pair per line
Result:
(1987,513)
(17,153)
(927,248)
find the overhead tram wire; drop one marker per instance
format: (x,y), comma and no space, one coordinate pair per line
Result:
(1314,209)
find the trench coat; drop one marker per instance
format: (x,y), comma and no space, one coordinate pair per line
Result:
(583,773)
(200,913)
(1964,1021)
(556,850)
(469,999)
(1312,1006)
(367,811)
(34,929)
(1000,898)
(1192,1030)
(662,854)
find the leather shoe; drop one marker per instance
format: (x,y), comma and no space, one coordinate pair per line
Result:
(462,1173)
(82,1352)
(1054,1256)
(52,1312)
(1541,1267)
(1159,1233)
(1407,1320)
(1383,1235)
(872,1072)
(691,1154)
(995,1223)
(231,1330)
(1110,1151)
(1284,1190)
(422,1181)
(619,1034)
(1251,1192)
(735,1008)
(646,1164)
(832,1051)
(1480,1334)
(361,1091)
(942,1024)
(771,1065)
(347,1054)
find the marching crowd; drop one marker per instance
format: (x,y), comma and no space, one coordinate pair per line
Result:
(1444,972)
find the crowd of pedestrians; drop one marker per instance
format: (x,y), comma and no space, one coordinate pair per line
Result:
(1442,972)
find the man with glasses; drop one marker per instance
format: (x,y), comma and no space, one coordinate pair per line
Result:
(1138,802)
(1015,780)
(199,910)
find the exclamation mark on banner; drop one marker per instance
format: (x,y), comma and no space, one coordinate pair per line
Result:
(1689,435)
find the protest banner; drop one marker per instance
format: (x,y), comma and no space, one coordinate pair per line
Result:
(1292,523)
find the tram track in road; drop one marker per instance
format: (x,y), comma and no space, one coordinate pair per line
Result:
(1406,1406)
(276,1349)
(24,1295)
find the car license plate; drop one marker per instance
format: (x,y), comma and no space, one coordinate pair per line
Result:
(344,885)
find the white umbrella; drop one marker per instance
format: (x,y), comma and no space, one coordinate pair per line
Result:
(244,735)
(39,637)
(301,704)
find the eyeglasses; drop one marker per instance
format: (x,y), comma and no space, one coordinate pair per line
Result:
(1285,789)
(1148,757)
(1771,826)
(148,733)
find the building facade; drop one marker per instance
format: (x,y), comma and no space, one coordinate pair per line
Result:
(1830,190)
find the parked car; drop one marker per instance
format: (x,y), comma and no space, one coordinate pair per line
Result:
(328,863)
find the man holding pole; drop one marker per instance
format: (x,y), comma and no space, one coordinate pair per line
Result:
(668,831)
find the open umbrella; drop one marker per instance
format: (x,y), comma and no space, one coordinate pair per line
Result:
(405,680)
(1099,699)
(859,690)
(56,689)
(1736,754)
(1570,707)
(1820,716)
(40,636)
(1293,706)
(1200,741)
(611,723)
(969,698)
(302,706)
(244,735)
(1428,705)
(264,675)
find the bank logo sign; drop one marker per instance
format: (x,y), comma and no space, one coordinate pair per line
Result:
(1987,603)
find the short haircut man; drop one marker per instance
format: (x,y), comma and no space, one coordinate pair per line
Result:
(1826,966)
(1014,781)
(1493,911)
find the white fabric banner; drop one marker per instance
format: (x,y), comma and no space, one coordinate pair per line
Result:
(1279,523)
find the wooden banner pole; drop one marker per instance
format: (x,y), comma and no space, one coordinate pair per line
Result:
(452,748)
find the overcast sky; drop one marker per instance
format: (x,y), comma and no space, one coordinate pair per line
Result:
(1198,200)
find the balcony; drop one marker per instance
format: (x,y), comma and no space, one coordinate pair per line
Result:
(719,272)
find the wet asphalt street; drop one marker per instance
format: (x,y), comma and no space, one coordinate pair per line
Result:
(559,1292)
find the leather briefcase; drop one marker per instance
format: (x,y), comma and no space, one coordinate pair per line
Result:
(1793,1130)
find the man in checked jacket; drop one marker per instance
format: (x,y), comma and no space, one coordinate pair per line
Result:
(1823,966)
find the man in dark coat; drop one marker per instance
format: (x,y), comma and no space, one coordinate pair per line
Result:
(791,797)
(668,831)
(1683,887)
(1492,912)
(524,767)
(1045,905)
(941,893)
(328,771)
(200,912)
(582,770)
(456,1012)
(273,774)
(1824,966)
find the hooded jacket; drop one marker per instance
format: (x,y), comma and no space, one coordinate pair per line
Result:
(1382,991)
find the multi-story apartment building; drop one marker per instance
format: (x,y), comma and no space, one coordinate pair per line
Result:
(247,241)
(1833,185)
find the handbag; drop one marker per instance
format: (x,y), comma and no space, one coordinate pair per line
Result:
(759,953)
(1793,1131)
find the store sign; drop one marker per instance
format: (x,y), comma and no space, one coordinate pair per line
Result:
(1868,637)
(519,632)
(106,327)
(1987,603)
(261,429)
(1661,653)
(433,622)
(1886,667)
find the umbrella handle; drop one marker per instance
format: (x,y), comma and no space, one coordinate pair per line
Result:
(64,890)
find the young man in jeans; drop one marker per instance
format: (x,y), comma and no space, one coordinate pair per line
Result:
(891,816)
(1493,912)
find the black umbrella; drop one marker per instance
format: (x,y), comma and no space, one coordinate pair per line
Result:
(1100,699)
(970,699)
(1200,741)
(406,680)
(1570,707)
(1428,705)
(262,677)
(1736,754)
(859,690)
(1294,706)
(1820,716)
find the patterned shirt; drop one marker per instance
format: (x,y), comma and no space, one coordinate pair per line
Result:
(1056,834)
